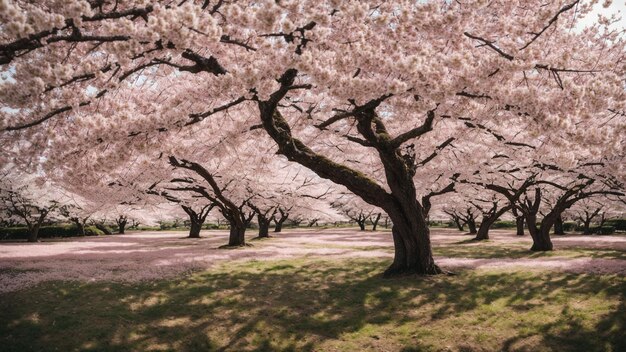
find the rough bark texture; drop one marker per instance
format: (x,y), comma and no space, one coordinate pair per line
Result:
(540,236)
(237,236)
(194,229)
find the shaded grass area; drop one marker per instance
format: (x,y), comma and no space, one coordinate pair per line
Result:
(493,250)
(316,305)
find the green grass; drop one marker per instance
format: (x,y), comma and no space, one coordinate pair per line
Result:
(491,250)
(316,305)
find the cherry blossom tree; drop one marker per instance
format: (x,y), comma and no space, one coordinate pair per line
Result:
(21,200)
(374,97)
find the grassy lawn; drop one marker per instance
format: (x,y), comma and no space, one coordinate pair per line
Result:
(315,305)
(492,250)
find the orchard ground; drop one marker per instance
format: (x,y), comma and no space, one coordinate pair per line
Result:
(311,290)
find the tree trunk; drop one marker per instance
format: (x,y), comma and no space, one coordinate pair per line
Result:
(458,223)
(264,226)
(558,226)
(540,236)
(519,223)
(361,224)
(413,254)
(488,220)
(375,221)
(194,230)
(104,229)
(279,226)
(586,227)
(471,223)
(237,236)
(483,229)
(33,233)
(121,227)
(79,226)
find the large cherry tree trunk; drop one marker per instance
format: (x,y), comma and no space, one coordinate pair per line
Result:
(411,238)
(195,228)
(237,234)
(540,235)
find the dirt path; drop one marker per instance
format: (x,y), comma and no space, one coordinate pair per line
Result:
(156,255)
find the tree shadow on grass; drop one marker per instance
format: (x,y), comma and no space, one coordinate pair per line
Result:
(300,305)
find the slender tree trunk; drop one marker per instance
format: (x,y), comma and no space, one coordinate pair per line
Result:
(458,223)
(279,226)
(519,223)
(264,226)
(471,223)
(361,224)
(194,230)
(375,221)
(558,226)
